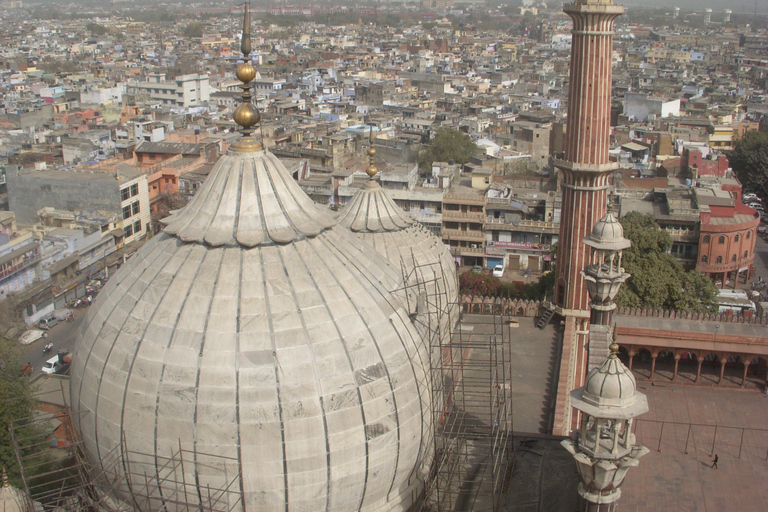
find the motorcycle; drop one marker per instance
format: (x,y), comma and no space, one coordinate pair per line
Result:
(48,347)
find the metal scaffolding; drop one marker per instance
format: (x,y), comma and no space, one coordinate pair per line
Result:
(64,477)
(470,382)
(470,439)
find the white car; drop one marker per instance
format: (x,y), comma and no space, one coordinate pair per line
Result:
(749,197)
(498,271)
(50,365)
(756,206)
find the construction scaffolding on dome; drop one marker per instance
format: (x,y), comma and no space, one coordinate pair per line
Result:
(472,436)
(71,483)
(472,402)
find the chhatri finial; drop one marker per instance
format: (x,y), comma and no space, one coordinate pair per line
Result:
(5,479)
(372,170)
(613,347)
(246,114)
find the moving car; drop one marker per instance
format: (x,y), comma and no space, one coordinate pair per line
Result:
(498,271)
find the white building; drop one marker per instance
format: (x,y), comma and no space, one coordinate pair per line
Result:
(102,95)
(640,106)
(134,205)
(185,91)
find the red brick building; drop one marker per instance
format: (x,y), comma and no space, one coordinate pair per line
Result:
(727,242)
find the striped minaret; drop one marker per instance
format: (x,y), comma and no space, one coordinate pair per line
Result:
(585,171)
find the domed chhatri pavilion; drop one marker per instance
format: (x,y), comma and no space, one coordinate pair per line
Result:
(375,217)
(257,330)
(11,498)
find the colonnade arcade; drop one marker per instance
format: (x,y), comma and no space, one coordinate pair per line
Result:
(645,355)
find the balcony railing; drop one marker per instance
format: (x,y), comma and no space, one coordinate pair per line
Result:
(453,214)
(539,226)
(464,198)
(726,267)
(10,270)
(461,234)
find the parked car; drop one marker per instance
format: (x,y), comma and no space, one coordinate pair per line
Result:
(498,271)
(50,365)
(477,268)
(47,323)
(756,206)
(746,198)
(58,364)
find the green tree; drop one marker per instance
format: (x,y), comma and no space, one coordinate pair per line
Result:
(749,160)
(193,30)
(448,144)
(15,406)
(96,29)
(658,280)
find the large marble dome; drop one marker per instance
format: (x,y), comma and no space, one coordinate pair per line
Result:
(266,343)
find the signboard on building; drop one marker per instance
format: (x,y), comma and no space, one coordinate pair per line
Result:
(520,245)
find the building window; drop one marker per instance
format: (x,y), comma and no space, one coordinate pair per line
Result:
(128,230)
(704,259)
(137,226)
(719,259)
(746,254)
(749,235)
(706,239)
(736,238)
(135,208)
(125,194)
(134,189)
(126,211)
(721,240)
(734,258)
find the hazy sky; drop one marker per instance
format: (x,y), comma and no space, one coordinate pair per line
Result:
(715,5)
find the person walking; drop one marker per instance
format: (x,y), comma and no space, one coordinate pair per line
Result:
(714,462)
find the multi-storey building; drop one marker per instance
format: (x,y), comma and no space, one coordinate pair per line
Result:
(185,91)
(516,234)
(463,218)
(123,192)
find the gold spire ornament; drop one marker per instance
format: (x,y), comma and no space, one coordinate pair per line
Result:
(246,114)
(5,479)
(372,169)
(613,348)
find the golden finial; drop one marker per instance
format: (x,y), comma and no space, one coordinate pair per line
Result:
(614,347)
(5,479)
(246,114)
(372,170)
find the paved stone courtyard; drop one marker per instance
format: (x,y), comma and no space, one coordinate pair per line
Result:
(670,479)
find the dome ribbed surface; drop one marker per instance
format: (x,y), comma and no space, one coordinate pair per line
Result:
(611,384)
(254,330)
(11,498)
(375,217)
(607,234)
(373,211)
(251,204)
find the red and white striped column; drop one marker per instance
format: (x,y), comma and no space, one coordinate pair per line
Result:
(585,171)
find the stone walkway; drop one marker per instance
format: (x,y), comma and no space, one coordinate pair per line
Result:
(670,479)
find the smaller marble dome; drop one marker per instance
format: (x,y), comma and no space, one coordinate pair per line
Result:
(375,217)
(607,235)
(612,384)
(11,498)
